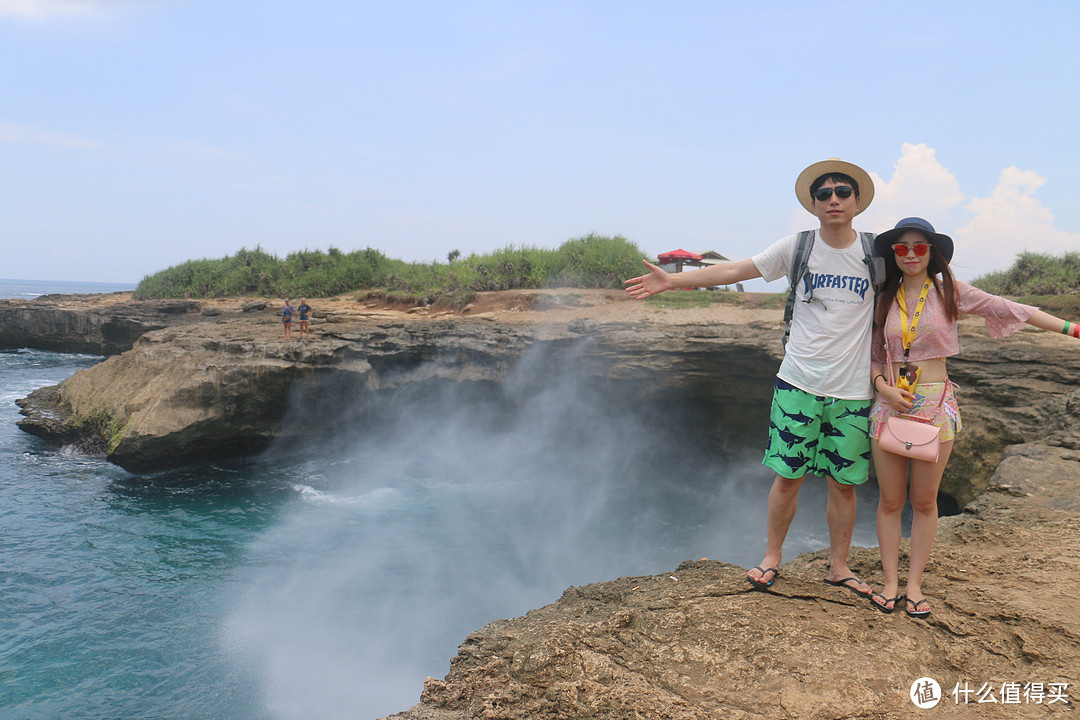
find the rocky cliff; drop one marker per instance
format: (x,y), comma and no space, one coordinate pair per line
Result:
(93,324)
(214,381)
(197,391)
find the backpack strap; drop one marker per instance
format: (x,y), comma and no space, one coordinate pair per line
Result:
(803,245)
(875,264)
(799,260)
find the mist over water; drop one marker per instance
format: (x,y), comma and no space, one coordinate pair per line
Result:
(425,512)
(328,577)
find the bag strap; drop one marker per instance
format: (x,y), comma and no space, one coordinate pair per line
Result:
(799,260)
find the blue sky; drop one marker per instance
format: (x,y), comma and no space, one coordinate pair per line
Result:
(136,134)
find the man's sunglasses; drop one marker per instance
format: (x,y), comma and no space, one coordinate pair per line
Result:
(842,191)
(920,248)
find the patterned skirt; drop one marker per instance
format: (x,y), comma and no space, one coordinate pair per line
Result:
(935,402)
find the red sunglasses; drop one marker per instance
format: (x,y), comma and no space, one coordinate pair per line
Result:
(920,248)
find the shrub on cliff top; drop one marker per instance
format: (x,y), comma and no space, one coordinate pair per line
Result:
(592,261)
(596,261)
(1035,274)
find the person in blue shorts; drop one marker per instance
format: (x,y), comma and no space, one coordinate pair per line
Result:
(304,310)
(821,400)
(286,318)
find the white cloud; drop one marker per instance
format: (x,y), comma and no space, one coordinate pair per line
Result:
(920,186)
(16,133)
(989,231)
(1008,222)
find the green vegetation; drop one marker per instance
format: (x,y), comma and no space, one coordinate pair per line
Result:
(1066,307)
(1035,274)
(592,261)
(102,424)
(1048,282)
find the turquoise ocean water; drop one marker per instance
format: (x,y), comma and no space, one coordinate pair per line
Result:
(326,580)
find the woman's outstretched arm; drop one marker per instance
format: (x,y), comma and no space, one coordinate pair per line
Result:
(1046,321)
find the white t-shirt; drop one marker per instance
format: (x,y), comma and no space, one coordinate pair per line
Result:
(828,352)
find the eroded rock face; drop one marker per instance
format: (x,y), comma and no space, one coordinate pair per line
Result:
(93,324)
(202,392)
(1014,390)
(215,384)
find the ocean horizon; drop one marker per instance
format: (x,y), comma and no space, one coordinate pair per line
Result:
(19,289)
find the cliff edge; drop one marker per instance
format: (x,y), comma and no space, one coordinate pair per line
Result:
(698,643)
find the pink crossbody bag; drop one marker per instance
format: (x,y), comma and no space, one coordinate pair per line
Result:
(904,435)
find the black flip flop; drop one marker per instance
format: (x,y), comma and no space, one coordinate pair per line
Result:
(758,583)
(844,584)
(881,605)
(915,604)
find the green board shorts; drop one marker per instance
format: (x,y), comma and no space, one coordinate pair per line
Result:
(818,434)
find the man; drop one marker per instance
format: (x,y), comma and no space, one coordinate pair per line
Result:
(821,401)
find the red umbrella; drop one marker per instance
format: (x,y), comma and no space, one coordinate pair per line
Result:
(679,255)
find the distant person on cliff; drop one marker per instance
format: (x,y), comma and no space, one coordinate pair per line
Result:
(915,330)
(821,400)
(286,318)
(304,310)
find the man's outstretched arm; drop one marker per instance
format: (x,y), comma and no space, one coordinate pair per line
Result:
(658,281)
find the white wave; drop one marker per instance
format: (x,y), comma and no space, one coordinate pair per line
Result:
(321,497)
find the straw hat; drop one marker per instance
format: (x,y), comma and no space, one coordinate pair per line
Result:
(827,167)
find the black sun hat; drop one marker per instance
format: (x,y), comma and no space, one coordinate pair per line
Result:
(943,244)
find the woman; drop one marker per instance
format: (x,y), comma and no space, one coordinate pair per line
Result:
(915,331)
(286,318)
(304,309)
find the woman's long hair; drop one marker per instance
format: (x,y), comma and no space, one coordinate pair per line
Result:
(945,286)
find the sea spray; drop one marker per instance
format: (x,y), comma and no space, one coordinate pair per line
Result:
(327,578)
(440,506)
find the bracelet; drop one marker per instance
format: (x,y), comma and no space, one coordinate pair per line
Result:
(1072,329)
(1065,330)
(874,381)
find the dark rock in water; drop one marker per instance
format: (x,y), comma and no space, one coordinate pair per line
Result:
(48,326)
(92,324)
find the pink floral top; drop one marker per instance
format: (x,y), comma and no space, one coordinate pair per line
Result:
(936,336)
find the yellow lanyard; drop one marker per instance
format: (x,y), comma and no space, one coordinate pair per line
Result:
(908,331)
